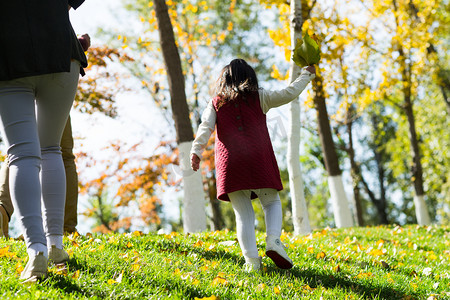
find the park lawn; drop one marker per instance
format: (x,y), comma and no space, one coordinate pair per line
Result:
(386,262)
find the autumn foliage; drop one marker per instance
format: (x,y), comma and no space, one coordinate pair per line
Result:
(98,89)
(139,179)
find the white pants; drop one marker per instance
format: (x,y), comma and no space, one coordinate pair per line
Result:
(245,217)
(33,113)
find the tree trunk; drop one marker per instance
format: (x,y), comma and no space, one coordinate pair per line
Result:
(422,215)
(380,204)
(299,208)
(217,217)
(355,170)
(194,215)
(342,214)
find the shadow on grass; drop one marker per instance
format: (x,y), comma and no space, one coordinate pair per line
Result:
(341,280)
(218,255)
(187,249)
(315,279)
(64,283)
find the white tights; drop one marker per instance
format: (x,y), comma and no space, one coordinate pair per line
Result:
(33,113)
(245,217)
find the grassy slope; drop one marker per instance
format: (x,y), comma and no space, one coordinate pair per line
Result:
(357,263)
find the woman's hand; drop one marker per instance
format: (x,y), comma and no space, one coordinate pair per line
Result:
(311,69)
(195,162)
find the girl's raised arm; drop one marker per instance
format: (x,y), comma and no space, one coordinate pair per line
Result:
(270,99)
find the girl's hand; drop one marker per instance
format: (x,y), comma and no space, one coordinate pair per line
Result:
(88,40)
(195,162)
(311,69)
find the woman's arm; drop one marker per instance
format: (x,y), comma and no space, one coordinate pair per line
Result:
(270,99)
(203,133)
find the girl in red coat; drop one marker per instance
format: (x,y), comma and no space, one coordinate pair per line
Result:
(246,167)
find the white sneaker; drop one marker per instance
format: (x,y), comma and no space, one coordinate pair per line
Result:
(57,256)
(275,250)
(252,264)
(35,269)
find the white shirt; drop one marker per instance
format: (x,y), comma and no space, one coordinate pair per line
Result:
(268,100)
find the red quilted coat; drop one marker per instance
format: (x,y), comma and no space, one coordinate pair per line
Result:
(243,150)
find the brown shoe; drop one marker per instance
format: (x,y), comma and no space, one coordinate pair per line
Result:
(3,222)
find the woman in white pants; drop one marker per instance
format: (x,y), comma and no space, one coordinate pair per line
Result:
(40,60)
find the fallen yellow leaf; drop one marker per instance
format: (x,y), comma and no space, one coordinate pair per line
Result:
(199,243)
(380,242)
(376,252)
(212,297)
(19,268)
(76,274)
(219,280)
(276,290)
(4,252)
(135,267)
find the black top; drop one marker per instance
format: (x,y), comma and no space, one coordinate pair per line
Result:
(36,38)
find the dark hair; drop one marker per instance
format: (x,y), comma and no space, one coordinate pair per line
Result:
(237,78)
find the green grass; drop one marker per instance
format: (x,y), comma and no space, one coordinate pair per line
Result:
(358,263)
